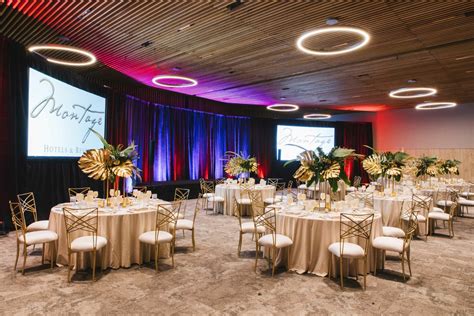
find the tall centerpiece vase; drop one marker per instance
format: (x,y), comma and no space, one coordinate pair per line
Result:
(327,197)
(393,193)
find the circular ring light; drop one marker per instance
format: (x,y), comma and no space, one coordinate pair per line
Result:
(281,107)
(412,93)
(435,105)
(63,48)
(188,82)
(317,116)
(335,29)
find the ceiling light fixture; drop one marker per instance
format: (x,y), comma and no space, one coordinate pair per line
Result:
(435,105)
(317,116)
(70,49)
(401,93)
(188,81)
(281,107)
(335,29)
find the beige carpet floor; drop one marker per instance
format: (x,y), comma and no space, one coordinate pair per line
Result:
(214,281)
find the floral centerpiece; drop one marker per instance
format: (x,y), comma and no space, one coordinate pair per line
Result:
(449,167)
(109,163)
(426,166)
(240,164)
(319,166)
(385,164)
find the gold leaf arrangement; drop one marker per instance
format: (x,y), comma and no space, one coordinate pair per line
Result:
(94,163)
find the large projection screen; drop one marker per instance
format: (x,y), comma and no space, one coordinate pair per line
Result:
(305,137)
(60,117)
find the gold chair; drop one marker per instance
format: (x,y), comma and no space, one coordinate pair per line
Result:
(244,197)
(181,195)
(26,238)
(186,224)
(406,210)
(75,191)
(367,198)
(141,189)
(166,217)
(266,222)
(85,220)
(249,227)
(278,195)
(399,245)
(352,226)
(207,191)
(445,217)
(421,205)
(28,205)
(451,196)
(220,181)
(272,181)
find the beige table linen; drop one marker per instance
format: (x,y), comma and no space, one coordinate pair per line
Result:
(121,227)
(312,233)
(231,191)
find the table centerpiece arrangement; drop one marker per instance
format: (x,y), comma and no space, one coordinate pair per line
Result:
(449,167)
(240,165)
(110,163)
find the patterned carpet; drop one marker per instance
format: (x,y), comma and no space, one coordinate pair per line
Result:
(214,281)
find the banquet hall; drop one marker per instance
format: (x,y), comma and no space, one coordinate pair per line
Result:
(237,157)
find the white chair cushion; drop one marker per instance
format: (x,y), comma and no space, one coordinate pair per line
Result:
(38,237)
(281,241)
(39,225)
(465,202)
(149,237)
(216,199)
(350,250)
(249,227)
(389,231)
(302,186)
(206,195)
(444,203)
(466,194)
(438,215)
(420,218)
(388,243)
(244,201)
(272,200)
(86,243)
(184,224)
(437,209)
(313,188)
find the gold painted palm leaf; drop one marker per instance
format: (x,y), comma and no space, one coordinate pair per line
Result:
(332,172)
(124,169)
(94,163)
(372,165)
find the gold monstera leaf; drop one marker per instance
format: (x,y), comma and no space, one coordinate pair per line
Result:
(303,174)
(124,169)
(372,165)
(394,171)
(94,163)
(332,172)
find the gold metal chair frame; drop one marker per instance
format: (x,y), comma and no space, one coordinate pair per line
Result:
(366,197)
(74,191)
(405,254)
(206,188)
(28,204)
(353,226)
(267,219)
(142,188)
(199,206)
(255,201)
(19,224)
(452,213)
(272,181)
(86,219)
(166,219)
(181,195)
(220,181)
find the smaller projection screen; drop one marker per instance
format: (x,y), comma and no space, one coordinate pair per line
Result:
(303,137)
(60,117)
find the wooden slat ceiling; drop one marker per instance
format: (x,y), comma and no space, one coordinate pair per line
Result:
(249,56)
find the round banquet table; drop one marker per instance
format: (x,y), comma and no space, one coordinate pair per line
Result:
(231,191)
(312,233)
(121,226)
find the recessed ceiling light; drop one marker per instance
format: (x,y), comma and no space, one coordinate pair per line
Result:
(333,29)
(408,93)
(188,82)
(332,21)
(281,107)
(70,49)
(411,80)
(282,98)
(185,27)
(435,105)
(317,116)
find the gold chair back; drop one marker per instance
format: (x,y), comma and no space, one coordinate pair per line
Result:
(367,198)
(220,181)
(28,204)
(357,181)
(255,195)
(166,216)
(18,219)
(421,203)
(74,191)
(181,194)
(272,181)
(267,219)
(85,219)
(206,186)
(142,188)
(355,226)
(200,202)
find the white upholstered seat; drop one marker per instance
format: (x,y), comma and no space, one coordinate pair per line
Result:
(215,199)
(389,231)
(444,203)
(86,243)
(438,215)
(437,209)
(350,250)
(466,202)
(184,224)
(244,201)
(150,237)
(281,241)
(249,227)
(272,200)
(38,225)
(207,195)
(38,237)
(388,244)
